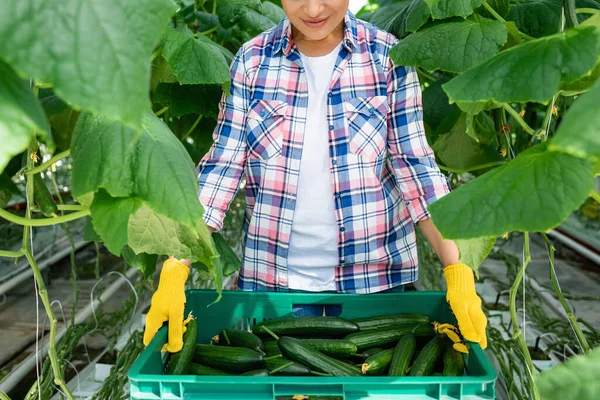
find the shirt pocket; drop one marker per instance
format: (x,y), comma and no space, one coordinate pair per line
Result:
(265,127)
(367,125)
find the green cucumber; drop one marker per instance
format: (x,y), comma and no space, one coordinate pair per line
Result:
(199,369)
(377,364)
(403,354)
(306,326)
(179,363)
(42,197)
(389,337)
(236,359)
(295,369)
(297,350)
(256,372)
(454,363)
(391,321)
(428,357)
(371,352)
(240,338)
(337,348)
(271,348)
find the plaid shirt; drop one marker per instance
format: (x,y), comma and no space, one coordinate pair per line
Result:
(383,172)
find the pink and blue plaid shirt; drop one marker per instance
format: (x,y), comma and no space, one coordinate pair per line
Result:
(383,172)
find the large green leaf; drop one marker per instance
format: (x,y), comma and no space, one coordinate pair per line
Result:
(153,233)
(254,22)
(579,132)
(532,71)
(21,115)
(146,263)
(384,15)
(188,99)
(229,261)
(502,7)
(272,11)
(410,18)
(534,192)
(96,53)
(151,165)
(582,84)
(441,9)
(578,378)
(453,46)
(7,189)
(110,217)
(460,151)
(230,12)
(473,251)
(536,17)
(194,61)
(436,106)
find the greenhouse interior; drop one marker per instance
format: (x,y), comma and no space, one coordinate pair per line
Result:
(300,199)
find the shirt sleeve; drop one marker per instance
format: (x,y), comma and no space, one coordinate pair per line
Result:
(417,174)
(220,170)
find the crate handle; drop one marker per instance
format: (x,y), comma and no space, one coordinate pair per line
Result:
(304,392)
(310,310)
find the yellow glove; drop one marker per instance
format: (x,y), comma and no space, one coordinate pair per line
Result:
(167,304)
(465,304)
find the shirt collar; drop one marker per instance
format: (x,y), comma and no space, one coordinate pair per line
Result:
(283,34)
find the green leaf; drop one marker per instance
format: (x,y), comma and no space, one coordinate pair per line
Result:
(110,217)
(460,151)
(410,18)
(254,23)
(536,18)
(481,128)
(146,263)
(89,234)
(153,233)
(579,131)
(436,105)
(161,72)
(95,53)
(272,11)
(441,9)
(514,36)
(206,20)
(473,251)
(230,263)
(151,165)
(530,72)
(383,16)
(63,125)
(230,12)
(577,378)
(7,189)
(194,61)
(189,99)
(21,115)
(502,7)
(534,192)
(582,84)
(453,46)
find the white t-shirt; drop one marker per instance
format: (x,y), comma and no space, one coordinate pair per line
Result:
(313,249)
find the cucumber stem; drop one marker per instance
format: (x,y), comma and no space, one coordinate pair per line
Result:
(49,163)
(270,332)
(283,366)
(226,337)
(15,219)
(13,254)
(319,373)
(273,357)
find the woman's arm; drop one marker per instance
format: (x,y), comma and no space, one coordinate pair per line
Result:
(445,249)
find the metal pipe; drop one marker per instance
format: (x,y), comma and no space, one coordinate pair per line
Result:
(584,251)
(16,375)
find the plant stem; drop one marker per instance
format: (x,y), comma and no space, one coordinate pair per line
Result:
(194,125)
(475,168)
(12,254)
(517,334)
(71,207)
(15,219)
(570,13)
(587,11)
(4,396)
(214,9)
(518,118)
(211,30)
(161,111)
(156,53)
(491,10)
(595,195)
(548,118)
(570,316)
(49,163)
(425,75)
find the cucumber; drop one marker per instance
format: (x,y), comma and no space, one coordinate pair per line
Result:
(257,372)
(428,357)
(271,348)
(296,369)
(403,354)
(236,359)
(382,338)
(297,350)
(454,363)
(371,352)
(179,363)
(337,348)
(376,364)
(240,338)
(199,369)
(391,321)
(42,197)
(306,326)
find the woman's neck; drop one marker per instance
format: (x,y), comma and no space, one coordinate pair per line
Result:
(321,47)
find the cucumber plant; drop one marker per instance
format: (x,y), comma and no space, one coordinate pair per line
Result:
(509,97)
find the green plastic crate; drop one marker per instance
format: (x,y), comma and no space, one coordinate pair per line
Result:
(238,309)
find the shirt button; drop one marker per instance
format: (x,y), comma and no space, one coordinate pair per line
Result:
(337,195)
(331,127)
(334,162)
(262,113)
(330,94)
(342,229)
(371,110)
(342,261)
